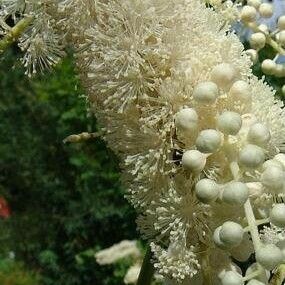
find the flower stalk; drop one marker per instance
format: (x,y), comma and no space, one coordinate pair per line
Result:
(147,270)
(14,33)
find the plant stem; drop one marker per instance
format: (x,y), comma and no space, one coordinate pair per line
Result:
(253,229)
(14,33)
(147,269)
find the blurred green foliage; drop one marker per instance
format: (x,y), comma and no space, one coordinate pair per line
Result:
(14,273)
(66,199)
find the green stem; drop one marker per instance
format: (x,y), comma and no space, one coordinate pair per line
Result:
(147,269)
(14,33)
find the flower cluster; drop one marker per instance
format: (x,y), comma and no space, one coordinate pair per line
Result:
(199,136)
(46,28)
(254,16)
(124,249)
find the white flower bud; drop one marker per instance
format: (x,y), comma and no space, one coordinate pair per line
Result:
(248,14)
(235,193)
(264,29)
(258,134)
(281,38)
(251,156)
(279,70)
(240,90)
(208,141)
(232,278)
(269,256)
(273,178)
(194,160)
(281,23)
(229,123)
(231,233)
(257,40)
(206,92)
(186,119)
(207,190)
(265,10)
(272,163)
(277,215)
(281,158)
(253,55)
(255,282)
(254,3)
(217,240)
(223,75)
(268,66)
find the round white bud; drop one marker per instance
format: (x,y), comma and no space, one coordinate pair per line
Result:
(235,193)
(264,29)
(253,55)
(255,282)
(223,75)
(251,156)
(265,10)
(273,178)
(269,256)
(281,23)
(257,40)
(281,38)
(231,233)
(206,92)
(248,14)
(194,160)
(268,66)
(258,134)
(208,141)
(186,119)
(217,240)
(207,190)
(229,123)
(240,90)
(232,278)
(279,70)
(254,3)
(272,163)
(281,158)
(277,215)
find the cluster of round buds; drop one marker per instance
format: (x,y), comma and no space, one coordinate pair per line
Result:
(261,35)
(247,156)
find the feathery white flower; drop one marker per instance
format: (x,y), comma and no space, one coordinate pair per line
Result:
(152,68)
(117,251)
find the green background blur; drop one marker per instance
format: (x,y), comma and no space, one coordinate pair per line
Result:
(66,199)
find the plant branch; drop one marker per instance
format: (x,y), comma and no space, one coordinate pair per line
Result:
(14,33)
(147,269)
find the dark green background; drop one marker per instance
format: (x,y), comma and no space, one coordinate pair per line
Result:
(66,199)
